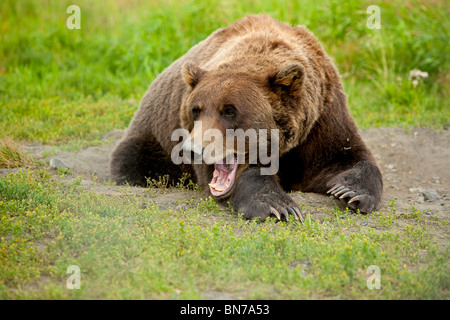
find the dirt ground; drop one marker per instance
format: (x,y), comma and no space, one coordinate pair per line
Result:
(415,167)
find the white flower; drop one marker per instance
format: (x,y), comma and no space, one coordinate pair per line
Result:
(417,74)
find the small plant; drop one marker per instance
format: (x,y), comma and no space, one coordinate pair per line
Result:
(186,183)
(11,156)
(162,182)
(392,205)
(208,205)
(62,172)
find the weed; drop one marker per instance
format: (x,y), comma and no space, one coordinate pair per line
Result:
(11,156)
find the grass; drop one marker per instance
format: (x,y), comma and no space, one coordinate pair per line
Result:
(62,86)
(129,251)
(11,156)
(68,88)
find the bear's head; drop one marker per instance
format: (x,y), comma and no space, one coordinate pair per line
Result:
(259,111)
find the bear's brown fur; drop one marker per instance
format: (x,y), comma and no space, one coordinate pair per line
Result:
(262,74)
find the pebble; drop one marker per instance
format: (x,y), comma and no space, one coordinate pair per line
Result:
(436,180)
(430,195)
(57,163)
(391,167)
(426,194)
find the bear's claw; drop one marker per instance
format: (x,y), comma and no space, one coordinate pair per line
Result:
(364,202)
(354,199)
(348,194)
(342,191)
(296,213)
(285,212)
(336,187)
(280,211)
(275,213)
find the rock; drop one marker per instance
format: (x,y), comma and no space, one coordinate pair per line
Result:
(364,223)
(430,195)
(420,198)
(57,163)
(390,167)
(436,180)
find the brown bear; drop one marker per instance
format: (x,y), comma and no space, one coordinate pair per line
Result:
(257,73)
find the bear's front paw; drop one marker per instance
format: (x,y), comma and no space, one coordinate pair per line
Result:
(354,198)
(359,187)
(279,205)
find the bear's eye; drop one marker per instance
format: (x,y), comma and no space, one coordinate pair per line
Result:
(195,112)
(229,111)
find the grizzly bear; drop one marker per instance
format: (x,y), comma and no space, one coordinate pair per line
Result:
(257,73)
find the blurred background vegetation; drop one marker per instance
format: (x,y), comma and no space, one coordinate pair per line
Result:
(62,86)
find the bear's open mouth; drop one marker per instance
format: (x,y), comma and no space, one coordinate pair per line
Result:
(223,178)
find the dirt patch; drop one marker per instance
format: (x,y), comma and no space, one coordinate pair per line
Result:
(412,164)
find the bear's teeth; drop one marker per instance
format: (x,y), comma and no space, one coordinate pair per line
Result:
(218,189)
(227,184)
(213,185)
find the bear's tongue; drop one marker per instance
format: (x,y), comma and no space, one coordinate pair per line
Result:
(223,178)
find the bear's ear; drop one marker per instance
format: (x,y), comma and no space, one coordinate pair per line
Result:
(192,73)
(288,79)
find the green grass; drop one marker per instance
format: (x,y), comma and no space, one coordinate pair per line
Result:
(127,251)
(62,86)
(67,88)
